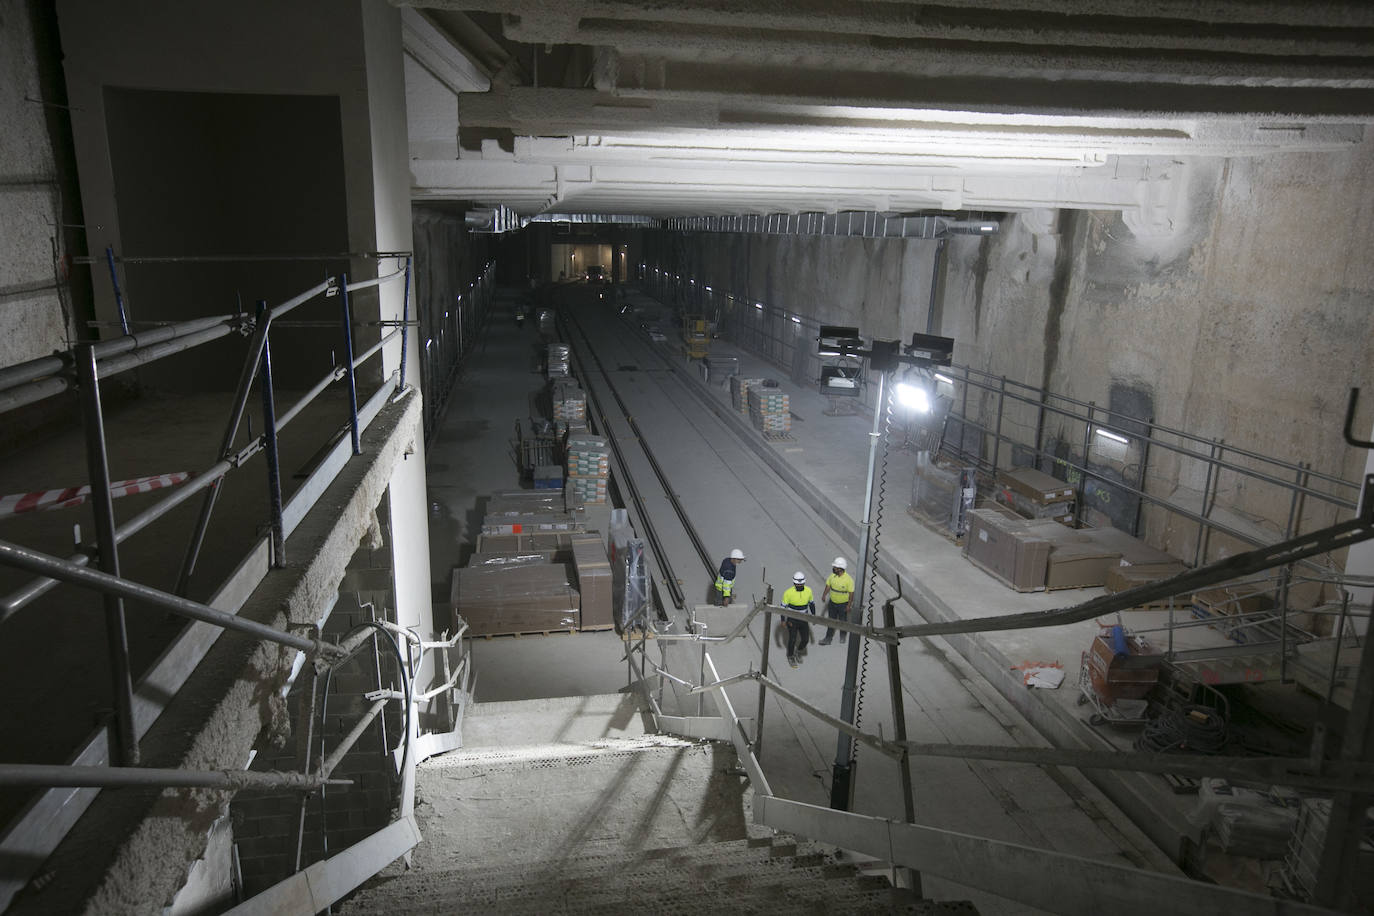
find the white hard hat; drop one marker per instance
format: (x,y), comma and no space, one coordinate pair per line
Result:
(737,554)
(841,563)
(799,577)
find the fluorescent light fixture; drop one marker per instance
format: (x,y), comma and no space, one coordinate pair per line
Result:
(759,306)
(796,319)
(1106,434)
(708,289)
(944,378)
(913,396)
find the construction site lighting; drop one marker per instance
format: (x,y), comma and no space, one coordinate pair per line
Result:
(914,397)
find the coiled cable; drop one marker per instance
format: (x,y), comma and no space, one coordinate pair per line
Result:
(1193,728)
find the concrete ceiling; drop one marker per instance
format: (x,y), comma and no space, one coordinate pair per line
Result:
(703,107)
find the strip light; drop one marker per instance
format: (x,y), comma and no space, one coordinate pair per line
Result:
(1111,435)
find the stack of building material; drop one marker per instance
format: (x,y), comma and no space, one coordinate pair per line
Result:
(558,360)
(739,391)
(546,322)
(768,410)
(589,469)
(1035,494)
(540,512)
(569,402)
(941,495)
(496,599)
(593,581)
(1250,822)
(548,477)
(1003,547)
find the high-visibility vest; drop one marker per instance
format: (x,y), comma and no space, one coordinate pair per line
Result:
(798,599)
(841,587)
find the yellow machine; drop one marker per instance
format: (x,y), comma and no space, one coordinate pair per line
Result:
(696,337)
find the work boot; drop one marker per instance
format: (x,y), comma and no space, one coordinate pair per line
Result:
(792,660)
(824,642)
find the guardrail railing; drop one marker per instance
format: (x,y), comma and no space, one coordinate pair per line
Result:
(1005,867)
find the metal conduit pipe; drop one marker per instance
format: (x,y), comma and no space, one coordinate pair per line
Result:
(22,775)
(364,284)
(142,355)
(32,392)
(33,561)
(13,376)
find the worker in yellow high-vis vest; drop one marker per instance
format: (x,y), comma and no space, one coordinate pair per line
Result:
(798,598)
(839,588)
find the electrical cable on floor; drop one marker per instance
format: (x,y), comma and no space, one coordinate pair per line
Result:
(1193,728)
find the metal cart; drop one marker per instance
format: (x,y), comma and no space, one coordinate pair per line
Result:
(1122,712)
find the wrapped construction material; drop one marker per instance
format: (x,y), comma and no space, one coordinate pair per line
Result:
(739,391)
(558,360)
(768,410)
(515,599)
(569,401)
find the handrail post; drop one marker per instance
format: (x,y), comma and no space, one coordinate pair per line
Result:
(405,319)
(269,437)
(348,364)
(894,678)
(763,687)
(1081,489)
(116,633)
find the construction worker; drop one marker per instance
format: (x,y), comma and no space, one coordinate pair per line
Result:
(839,588)
(725,579)
(798,598)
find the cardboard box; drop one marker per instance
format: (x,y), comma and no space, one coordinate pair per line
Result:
(527,523)
(1134,551)
(518,558)
(593,581)
(1027,507)
(1004,547)
(514,599)
(1121,578)
(524,542)
(1035,485)
(1075,563)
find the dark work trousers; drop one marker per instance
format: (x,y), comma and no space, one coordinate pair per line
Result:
(798,635)
(835,612)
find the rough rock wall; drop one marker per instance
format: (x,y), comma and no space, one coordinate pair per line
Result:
(1249,325)
(35,319)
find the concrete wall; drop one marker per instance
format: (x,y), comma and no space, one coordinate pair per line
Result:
(36,322)
(1249,324)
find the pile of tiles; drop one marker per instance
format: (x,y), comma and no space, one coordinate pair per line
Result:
(768,410)
(589,468)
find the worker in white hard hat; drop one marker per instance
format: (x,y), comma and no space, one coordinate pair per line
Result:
(839,588)
(798,598)
(725,579)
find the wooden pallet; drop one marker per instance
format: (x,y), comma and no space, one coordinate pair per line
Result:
(1000,578)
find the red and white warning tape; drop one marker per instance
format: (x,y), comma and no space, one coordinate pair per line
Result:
(75,496)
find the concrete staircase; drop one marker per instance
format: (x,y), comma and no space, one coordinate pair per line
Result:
(570,806)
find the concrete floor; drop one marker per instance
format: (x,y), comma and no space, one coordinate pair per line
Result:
(735,498)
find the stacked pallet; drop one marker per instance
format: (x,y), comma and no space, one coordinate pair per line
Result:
(768,410)
(589,469)
(569,402)
(739,391)
(558,360)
